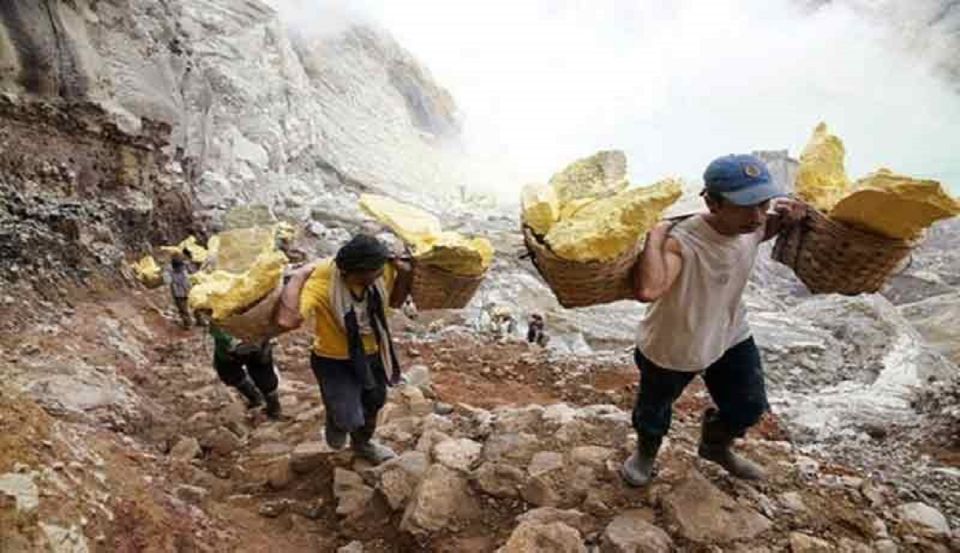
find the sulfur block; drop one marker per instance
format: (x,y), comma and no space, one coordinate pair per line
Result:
(821,178)
(895,206)
(600,175)
(227,293)
(541,209)
(604,229)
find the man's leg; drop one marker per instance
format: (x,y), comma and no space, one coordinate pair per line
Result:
(340,391)
(736,385)
(230,370)
(184,310)
(260,366)
(373,400)
(652,413)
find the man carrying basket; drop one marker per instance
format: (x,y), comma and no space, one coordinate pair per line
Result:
(353,357)
(693,273)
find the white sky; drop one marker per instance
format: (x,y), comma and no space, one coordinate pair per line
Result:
(674,84)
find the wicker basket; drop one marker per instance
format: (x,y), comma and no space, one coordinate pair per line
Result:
(435,288)
(831,257)
(579,284)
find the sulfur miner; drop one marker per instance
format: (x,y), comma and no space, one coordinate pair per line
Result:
(693,274)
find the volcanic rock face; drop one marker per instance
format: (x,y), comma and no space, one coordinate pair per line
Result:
(259,114)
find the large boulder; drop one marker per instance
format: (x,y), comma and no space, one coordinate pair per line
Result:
(553,537)
(441,501)
(704,514)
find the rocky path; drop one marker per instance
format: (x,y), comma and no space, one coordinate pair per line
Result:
(116,436)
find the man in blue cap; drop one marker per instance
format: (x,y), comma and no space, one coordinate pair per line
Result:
(693,273)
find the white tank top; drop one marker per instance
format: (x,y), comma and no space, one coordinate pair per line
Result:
(703,314)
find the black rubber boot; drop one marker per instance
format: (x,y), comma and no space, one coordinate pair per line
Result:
(372,451)
(715,443)
(274,411)
(637,470)
(250,393)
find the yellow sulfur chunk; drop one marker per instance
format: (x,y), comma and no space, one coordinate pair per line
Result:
(895,205)
(148,272)
(821,178)
(421,231)
(571,208)
(600,175)
(458,254)
(411,224)
(237,250)
(608,227)
(197,252)
(226,293)
(540,207)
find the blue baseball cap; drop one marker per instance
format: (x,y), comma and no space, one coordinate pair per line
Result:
(741,179)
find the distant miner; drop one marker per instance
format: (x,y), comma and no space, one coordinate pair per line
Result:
(353,354)
(694,272)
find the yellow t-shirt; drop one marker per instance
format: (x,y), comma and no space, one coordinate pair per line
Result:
(330,340)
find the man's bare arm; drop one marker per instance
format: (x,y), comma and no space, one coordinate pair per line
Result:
(788,212)
(659,265)
(288,312)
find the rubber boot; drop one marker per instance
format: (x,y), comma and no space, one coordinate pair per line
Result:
(334,437)
(715,443)
(372,451)
(273,410)
(637,470)
(250,393)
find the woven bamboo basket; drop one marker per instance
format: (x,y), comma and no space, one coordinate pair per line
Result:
(831,257)
(435,288)
(579,284)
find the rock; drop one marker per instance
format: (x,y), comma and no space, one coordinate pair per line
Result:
(885,546)
(591,456)
(555,537)
(222,441)
(308,456)
(351,493)
(191,494)
(924,519)
(546,515)
(399,478)
(515,449)
(64,540)
(352,547)
(846,545)
(802,543)
(418,375)
(441,408)
(22,489)
(705,514)
(459,454)
(792,501)
(499,479)
(279,473)
(275,508)
(441,500)
(544,462)
(186,449)
(541,491)
(630,532)
(513,421)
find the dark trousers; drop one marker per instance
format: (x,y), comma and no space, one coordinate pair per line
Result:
(183,310)
(350,407)
(735,382)
(234,367)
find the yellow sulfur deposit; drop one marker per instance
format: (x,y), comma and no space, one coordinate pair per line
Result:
(895,205)
(821,178)
(605,228)
(541,209)
(197,252)
(236,250)
(421,231)
(148,272)
(602,174)
(226,293)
